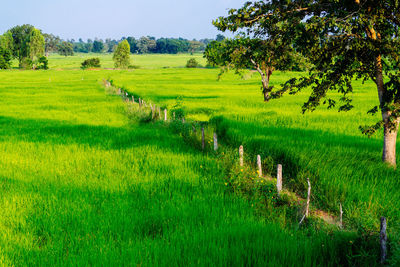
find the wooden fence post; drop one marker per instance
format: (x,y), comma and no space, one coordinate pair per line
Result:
(279,178)
(215,142)
(259,166)
(173,115)
(383,240)
(341,215)
(165,115)
(306,214)
(133,99)
(152,112)
(159,113)
(241,152)
(183,120)
(308,197)
(203,141)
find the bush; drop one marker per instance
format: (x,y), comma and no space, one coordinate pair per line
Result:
(178,108)
(91,63)
(192,63)
(43,63)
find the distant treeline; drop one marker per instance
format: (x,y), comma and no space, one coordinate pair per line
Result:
(143,45)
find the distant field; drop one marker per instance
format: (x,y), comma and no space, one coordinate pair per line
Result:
(81,184)
(149,61)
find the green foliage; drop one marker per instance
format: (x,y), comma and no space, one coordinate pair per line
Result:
(98,46)
(65,49)
(146,45)
(51,43)
(21,37)
(178,108)
(26,63)
(7,41)
(91,63)
(192,63)
(43,63)
(343,39)
(36,47)
(121,55)
(263,55)
(5,58)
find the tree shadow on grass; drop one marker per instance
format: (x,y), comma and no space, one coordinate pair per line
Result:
(105,137)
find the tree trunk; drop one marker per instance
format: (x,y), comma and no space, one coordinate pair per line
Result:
(389,144)
(264,79)
(265,84)
(390,128)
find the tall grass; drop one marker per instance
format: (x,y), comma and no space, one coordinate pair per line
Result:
(343,165)
(82,184)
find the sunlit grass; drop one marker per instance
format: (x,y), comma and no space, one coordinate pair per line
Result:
(83,185)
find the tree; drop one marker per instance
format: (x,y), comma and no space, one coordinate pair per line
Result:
(98,46)
(243,53)
(344,39)
(51,43)
(121,55)
(133,44)
(36,46)
(146,45)
(65,49)
(21,36)
(195,46)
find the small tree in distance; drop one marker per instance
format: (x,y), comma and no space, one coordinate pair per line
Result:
(65,49)
(121,55)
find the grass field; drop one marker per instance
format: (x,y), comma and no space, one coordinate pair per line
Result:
(83,185)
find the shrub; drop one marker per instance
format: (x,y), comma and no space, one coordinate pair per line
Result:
(91,63)
(192,63)
(178,108)
(43,63)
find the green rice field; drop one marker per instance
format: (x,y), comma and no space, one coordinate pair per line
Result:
(83,182)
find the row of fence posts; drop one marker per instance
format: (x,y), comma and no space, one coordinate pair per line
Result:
(383,224)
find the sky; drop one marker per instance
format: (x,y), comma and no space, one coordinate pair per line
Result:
(74,19)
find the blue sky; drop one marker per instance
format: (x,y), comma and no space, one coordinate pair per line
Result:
(116,18)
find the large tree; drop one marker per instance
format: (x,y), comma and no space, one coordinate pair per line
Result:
(344,39)
(21,37)
(121,55)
